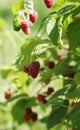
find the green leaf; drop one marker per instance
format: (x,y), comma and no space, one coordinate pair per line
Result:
(54,30)
(74,116)
(74,40)
(28,47)
(56,102)
(18,110)
(17,6)
(5,71)
(77,78)
(57,115)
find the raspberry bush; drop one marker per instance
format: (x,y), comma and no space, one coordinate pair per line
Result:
(44,77)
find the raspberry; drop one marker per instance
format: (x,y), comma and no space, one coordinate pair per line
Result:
(48,3)
(34,69)
(70,75)
(26,69)
(73,103)
(28,111)
(7,94)
(34,116)
(51,64)
(44,101)
(50,90)
(40,97)
(25,27)
(33,17)
(27,117)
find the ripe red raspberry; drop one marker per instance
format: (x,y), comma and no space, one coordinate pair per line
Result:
(44,101)
(34,69)
(50,90)
(48,3)
(40,97)
(33,17)
(71,75)
(51,64)
(25,27)
(7,94)
(27,117)
(34,116)
(28,111)
(26,69)
(73,103)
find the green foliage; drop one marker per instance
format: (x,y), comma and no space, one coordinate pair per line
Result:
(57,41)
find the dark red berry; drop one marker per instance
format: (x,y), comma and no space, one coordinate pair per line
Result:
(40,97)
(7,94)
(50,90)
(34,116)
(44,101)
(33,16)
(48,3)
(71,75)
(26,69)
(27,117)
(51,64)
(28,111)
(59,57)
(73,103)
(25,27)
(34,69)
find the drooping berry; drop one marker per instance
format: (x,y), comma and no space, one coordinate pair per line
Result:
(34,116)
(7,94)
(27,117)
(51,64)
(48,3)
(34,69)
(50,90)
(26,69)
(73,103)
(44,101)
(40,97)
(33,16)
(71,75)
(28,110)
(25,27)
(59,57)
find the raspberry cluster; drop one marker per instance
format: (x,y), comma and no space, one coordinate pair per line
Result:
(32,69)
(42,97)
(30,115)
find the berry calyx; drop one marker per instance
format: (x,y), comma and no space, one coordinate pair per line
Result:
(33,16)
(73,103)
(51,64)
(7,94)
(48,3)
(34,116)
(50,90)
(25,27)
